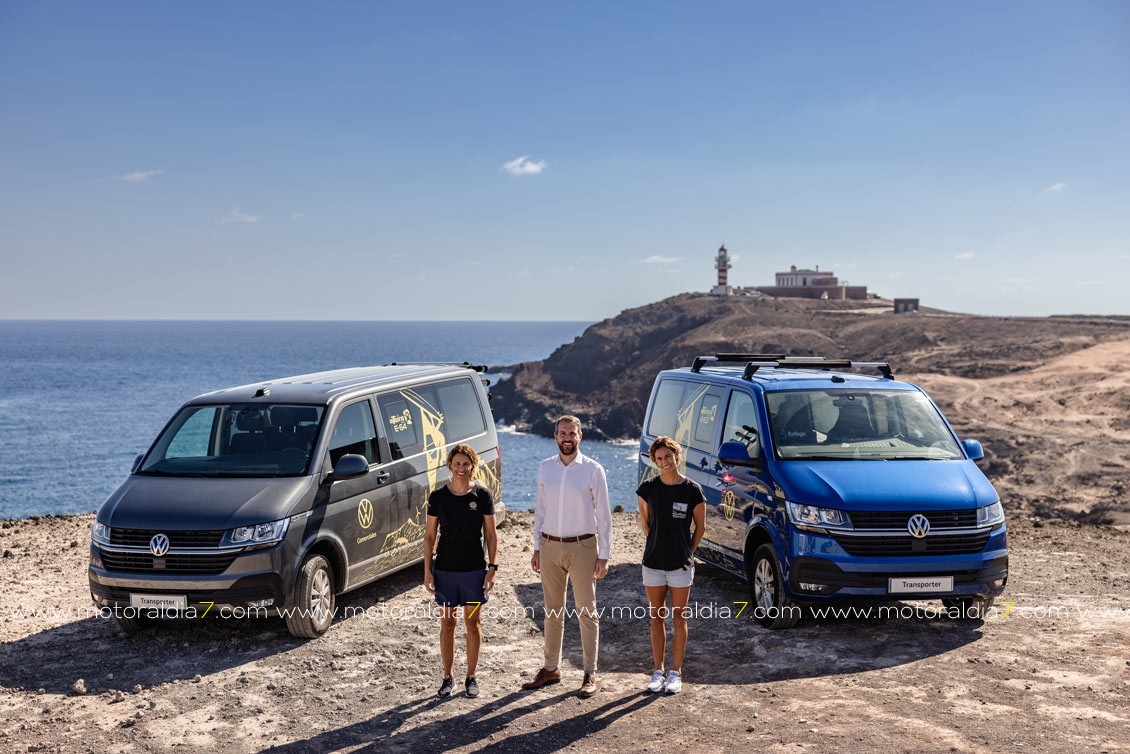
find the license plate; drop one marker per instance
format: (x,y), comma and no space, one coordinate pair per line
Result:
(163,602)
(922,585)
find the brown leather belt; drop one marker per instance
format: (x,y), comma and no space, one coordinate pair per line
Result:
(579,538)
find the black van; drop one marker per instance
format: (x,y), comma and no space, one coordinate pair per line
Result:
(282,494)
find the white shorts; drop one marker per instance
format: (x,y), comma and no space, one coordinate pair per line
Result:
(680,578)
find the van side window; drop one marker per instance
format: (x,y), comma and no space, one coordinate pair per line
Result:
(355,433)
(665,408)
(707,414)
(413,423)
(739,415)
(462,416)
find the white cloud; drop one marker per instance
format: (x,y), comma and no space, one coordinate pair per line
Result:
(656,259)
(1055,188)
(895,275)
(141,176)
(298,216)
(1091,283)
(524,166)
(965,255)
(235,216)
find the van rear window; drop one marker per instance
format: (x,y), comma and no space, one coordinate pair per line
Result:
(665,408)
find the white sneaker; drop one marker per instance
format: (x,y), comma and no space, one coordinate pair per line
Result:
(674,682)
(655,685)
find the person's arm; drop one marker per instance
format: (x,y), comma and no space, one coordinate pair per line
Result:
(490,537)
(699,518)
(644,514)
(429,548)
(539,522)
(603,522)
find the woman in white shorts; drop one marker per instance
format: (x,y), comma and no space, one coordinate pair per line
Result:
(669,504)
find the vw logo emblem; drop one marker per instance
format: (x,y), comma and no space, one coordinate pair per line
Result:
(918,526)
(159,545)
(365,513)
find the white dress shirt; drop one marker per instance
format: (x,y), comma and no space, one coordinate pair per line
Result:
(573,500)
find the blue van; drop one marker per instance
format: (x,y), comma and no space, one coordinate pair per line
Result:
(824,484)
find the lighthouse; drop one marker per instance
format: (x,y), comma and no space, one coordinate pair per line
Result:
(722,264)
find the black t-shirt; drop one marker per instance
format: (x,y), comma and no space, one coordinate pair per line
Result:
(670,510)
(460,517)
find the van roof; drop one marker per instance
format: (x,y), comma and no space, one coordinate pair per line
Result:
(324,388)
(776,371)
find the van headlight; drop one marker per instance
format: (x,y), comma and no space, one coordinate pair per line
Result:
(813,518)
(258,534)
(100,533)
(991,515)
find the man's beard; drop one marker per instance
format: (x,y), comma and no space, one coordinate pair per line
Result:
(570,451)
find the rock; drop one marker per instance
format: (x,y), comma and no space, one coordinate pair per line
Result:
(137,688)
(197,678)
(118,697)
(79,686)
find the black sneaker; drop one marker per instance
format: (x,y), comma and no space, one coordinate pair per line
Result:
(472,687)
(445,687)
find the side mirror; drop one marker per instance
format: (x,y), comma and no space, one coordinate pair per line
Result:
(973,449)
(136,463)
(349,466)
(736,454)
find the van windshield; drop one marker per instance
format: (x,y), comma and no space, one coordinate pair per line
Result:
(871,425)
(236,439)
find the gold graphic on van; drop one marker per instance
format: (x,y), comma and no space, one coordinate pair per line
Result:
(401,541)
(365,513)
(400,422)
(729,505)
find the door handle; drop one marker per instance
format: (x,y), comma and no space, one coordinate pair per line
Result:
(382,477)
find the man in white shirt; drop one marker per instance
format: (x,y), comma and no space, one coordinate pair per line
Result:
(572,542)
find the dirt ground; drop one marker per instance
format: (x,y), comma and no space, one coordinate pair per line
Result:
(1052,674)
(1048,670)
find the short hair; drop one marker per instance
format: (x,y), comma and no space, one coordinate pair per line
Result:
(465,450)
(663,441)
(567,418)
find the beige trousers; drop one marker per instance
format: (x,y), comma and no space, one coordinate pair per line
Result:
(562,563)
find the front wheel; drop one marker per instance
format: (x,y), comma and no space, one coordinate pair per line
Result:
(970,608)
(771,606)
(312,609)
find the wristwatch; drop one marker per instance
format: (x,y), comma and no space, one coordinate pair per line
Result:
(492,566)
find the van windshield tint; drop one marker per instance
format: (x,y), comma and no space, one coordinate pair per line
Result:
(236,439)
(858,425)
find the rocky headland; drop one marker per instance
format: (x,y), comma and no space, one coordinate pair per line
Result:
(1047,395)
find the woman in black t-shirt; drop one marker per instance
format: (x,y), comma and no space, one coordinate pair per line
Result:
(462,513)
(668,505)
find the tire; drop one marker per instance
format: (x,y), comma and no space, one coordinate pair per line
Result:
(972,608)
(313,603)
(772,607)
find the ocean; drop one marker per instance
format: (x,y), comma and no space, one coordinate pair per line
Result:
(80,399)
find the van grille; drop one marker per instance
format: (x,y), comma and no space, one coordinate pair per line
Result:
(177,539)
(964,519)
(961,544)
(143,561)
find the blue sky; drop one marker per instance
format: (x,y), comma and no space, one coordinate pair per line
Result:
(526,161)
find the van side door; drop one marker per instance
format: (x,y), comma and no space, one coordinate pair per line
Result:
(356,512)
(740,491)
(412,426)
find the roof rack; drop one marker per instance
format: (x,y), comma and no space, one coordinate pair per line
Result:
(733,358)
(465,364)
(755,361)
